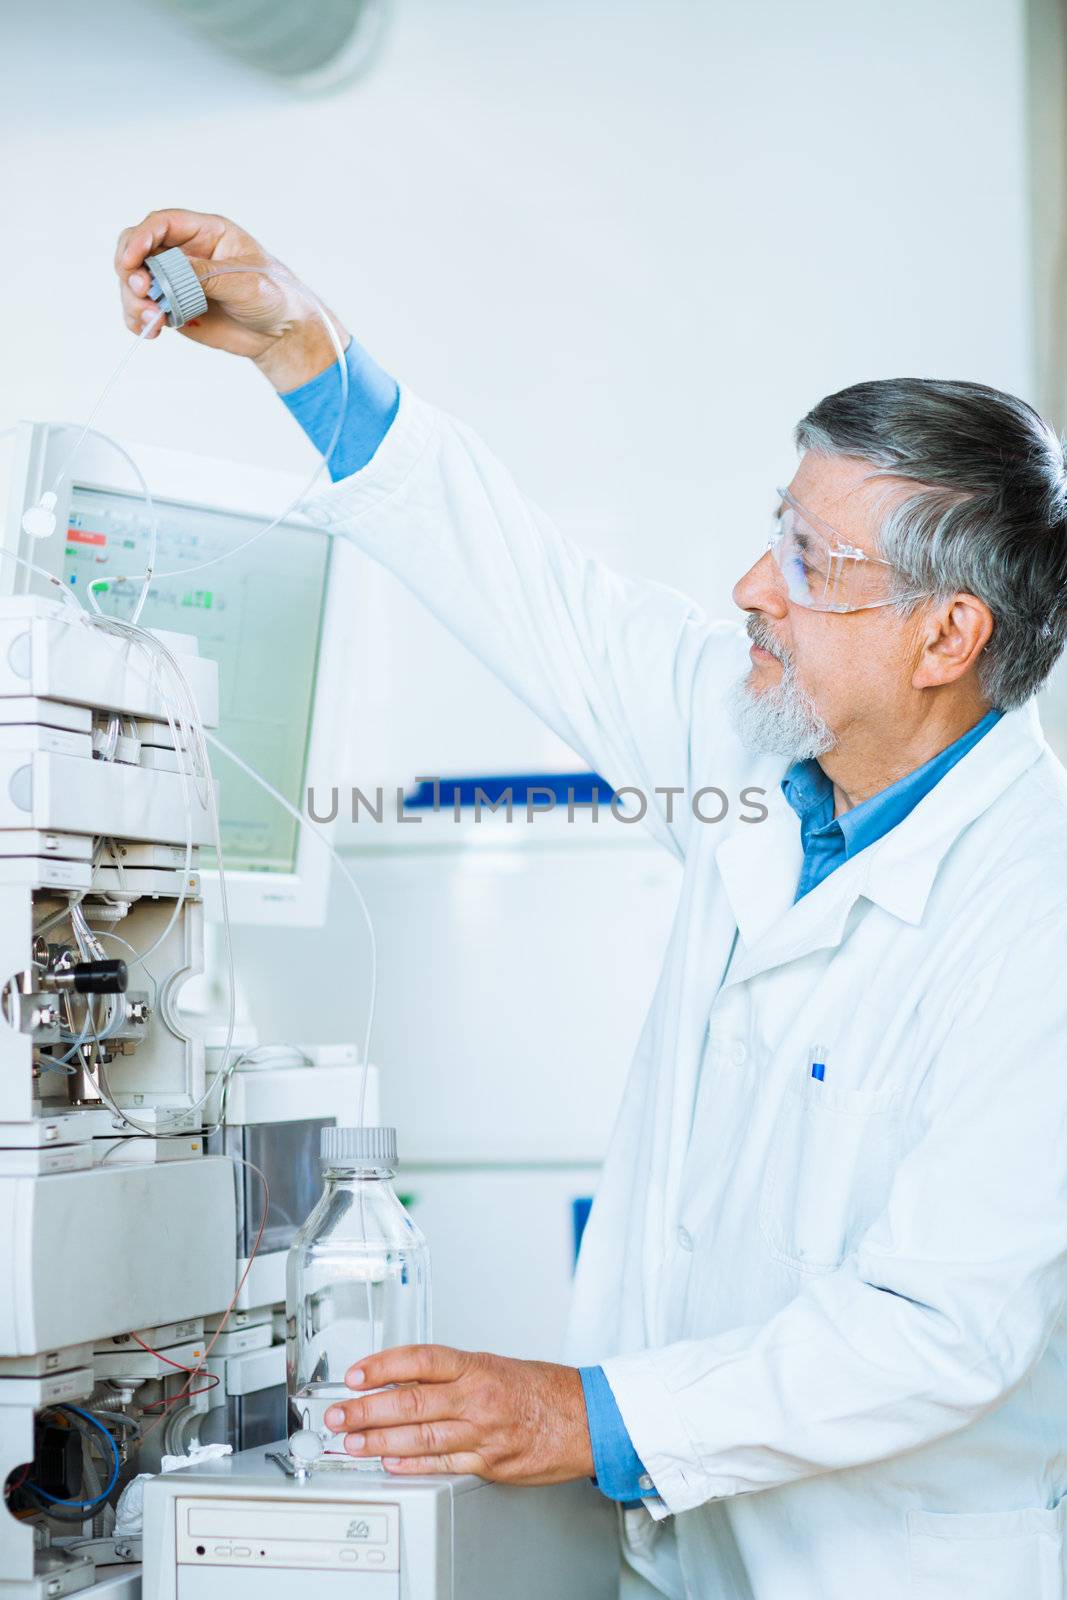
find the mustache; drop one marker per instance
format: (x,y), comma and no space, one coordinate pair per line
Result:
(761,636)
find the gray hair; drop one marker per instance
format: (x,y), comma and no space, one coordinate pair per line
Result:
(989,517)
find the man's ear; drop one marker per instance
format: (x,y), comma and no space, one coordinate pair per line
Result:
(951,639)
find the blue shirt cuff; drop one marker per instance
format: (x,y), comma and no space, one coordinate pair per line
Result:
(373,398)
(620,1472)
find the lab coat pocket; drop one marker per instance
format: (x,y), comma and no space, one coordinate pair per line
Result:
(649,1552)
(828,1174)
(1002,1555)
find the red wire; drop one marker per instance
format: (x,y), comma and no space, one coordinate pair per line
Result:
(161,1357)
(187,1392)
(155,1405)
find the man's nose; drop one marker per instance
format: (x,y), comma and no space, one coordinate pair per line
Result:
(761,588)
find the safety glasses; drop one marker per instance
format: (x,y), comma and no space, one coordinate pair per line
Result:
(823,571)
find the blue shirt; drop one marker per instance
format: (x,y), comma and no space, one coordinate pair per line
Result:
(827,840)
(373,398)
(830,840)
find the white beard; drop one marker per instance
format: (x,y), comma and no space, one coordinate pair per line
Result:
(781,720)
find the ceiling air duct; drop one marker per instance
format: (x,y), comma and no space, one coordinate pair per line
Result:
(317,46)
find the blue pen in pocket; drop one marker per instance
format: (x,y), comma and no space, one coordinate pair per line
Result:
(817,1062)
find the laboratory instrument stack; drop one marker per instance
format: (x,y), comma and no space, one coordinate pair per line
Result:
(109,1229)
(124,1233)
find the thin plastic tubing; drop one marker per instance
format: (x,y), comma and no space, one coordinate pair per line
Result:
(149,572)
(86,429)
(138,961)
(182,737)
(285,1050)
(97,935)
(196,749)
(80,1038)
(294,504)
(49,577)
(306,822)
(105,438)
(102,396)
(320,311)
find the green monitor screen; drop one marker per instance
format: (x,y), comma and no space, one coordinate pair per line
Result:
(258,614)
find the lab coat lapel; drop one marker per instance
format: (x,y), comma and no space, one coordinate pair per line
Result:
(759,869)
(760,876)
(759,865)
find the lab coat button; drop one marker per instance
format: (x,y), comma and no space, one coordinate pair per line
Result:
(645,1484)
(738,1053)
(685,1238)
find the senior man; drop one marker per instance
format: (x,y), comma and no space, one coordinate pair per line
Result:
(818,1323)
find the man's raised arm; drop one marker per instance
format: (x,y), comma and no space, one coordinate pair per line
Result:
(614,665)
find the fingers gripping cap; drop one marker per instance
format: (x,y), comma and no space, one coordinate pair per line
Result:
(358,1147)
(176,286)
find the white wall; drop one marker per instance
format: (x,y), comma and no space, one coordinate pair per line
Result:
(630,242)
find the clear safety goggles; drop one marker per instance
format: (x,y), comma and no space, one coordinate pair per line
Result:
(823,571)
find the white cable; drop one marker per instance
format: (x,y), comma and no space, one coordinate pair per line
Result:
(194,741)
(49,577)
(194,733)
(284,282)
(192,730)
(306,822)
(138,961)
(102,396)
(84,431)
(145,577)
(60,1063)
(154,650)
(256,1054)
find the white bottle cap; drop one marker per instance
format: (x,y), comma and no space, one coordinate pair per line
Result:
(370,1147)
(176,286)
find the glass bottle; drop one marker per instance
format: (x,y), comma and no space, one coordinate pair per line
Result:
(357,1278)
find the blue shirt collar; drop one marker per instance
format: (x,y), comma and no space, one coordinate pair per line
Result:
(811,794)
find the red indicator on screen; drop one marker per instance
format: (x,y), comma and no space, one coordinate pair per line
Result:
(79,536)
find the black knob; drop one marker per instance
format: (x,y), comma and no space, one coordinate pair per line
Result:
(100,977)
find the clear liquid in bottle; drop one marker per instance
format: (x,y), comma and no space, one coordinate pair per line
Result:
(357,1280)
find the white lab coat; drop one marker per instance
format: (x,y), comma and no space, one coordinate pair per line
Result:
(830,1312)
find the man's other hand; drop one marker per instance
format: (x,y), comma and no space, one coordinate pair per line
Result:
(456,1411)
